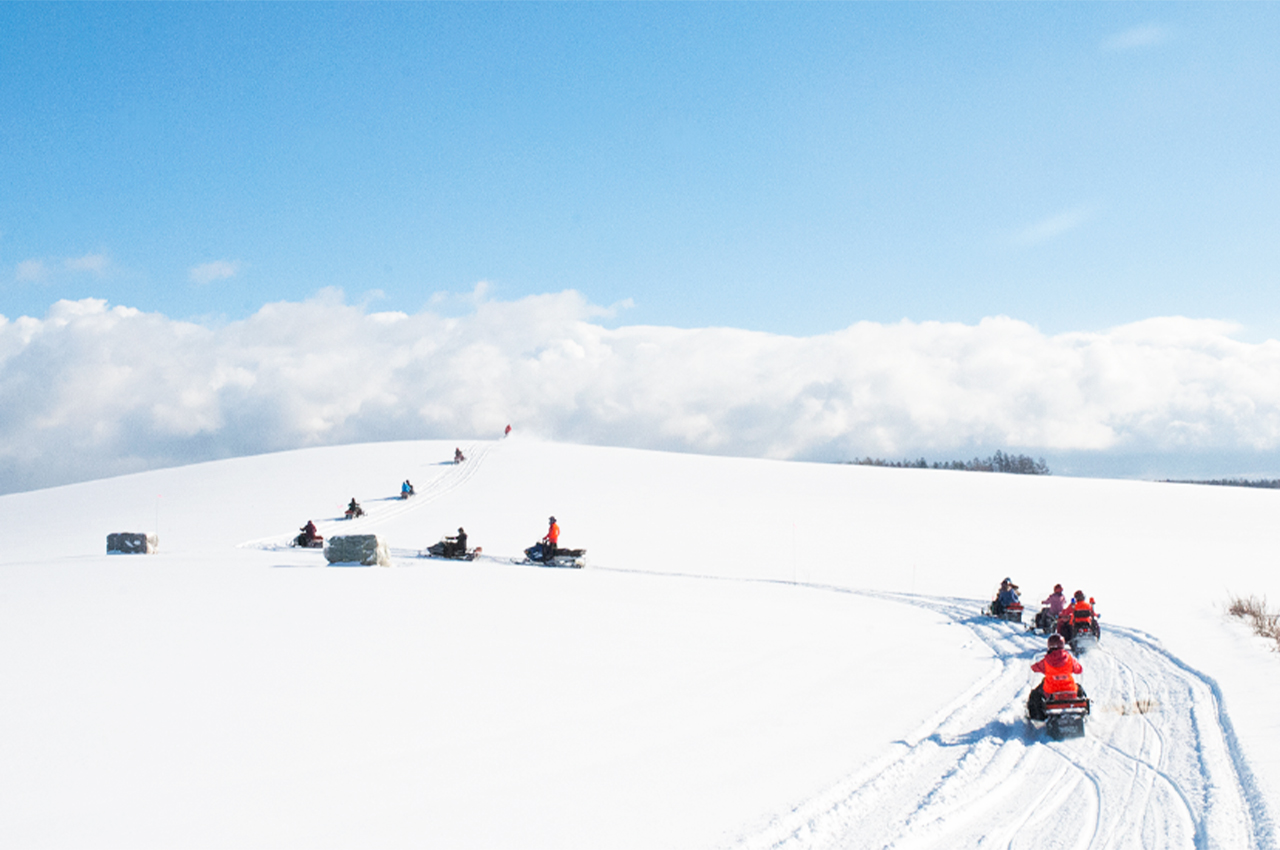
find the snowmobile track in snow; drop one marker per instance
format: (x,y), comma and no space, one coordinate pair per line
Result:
(441,485)
(1159,766)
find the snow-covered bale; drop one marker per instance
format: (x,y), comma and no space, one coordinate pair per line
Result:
(366,549)
(131,543)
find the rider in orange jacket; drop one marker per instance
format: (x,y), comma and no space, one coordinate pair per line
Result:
(549,542)
(1059,669)
(1078,617)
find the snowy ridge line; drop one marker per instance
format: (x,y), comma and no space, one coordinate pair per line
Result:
(440,486)
(1160,766)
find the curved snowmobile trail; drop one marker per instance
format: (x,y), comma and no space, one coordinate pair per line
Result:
(439,486)
(378,512)
(1159,766)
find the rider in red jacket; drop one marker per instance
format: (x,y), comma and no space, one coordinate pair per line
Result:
(549,542)
(1059,670)
(1078,617)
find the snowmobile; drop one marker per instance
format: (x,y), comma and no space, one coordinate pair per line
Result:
(308,537)
(302,541)
(448,548)
(546,555)
(1043,622)
(407,491)
(353,511)
(1064,715)
(1012,612)
(1085,639)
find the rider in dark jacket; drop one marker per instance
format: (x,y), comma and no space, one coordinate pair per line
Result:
(457,545)
(1008,595)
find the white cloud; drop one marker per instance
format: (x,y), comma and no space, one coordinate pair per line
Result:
(31,270)
(216,270)
(89,390)
(95,263)
(1137,38)
(1054,226)
(39,271)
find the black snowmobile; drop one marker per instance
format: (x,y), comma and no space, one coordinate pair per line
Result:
(1063,713)
(451,548)
(546,555)
(1043,622)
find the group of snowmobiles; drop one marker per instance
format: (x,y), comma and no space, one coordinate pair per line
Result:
(1075,618)
(546,552)
(1072,628)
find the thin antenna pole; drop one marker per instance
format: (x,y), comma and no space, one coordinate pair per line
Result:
(793,552)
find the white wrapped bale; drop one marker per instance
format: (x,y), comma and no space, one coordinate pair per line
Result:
(131,543)
(364,549)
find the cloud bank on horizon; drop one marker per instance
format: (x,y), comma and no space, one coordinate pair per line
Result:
(93,390)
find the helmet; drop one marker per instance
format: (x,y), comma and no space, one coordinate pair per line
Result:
(460,531)
(1079,594)
(1056,642)
(1057,588)
(552,519)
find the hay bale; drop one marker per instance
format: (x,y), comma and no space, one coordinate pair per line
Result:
(364,549)
(131,543)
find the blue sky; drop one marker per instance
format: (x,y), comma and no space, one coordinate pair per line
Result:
(778,167)
(804,231)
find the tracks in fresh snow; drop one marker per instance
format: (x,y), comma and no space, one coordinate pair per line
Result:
(378,512)
(1159,766)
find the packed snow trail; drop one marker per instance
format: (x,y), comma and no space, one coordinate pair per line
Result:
(1158,767)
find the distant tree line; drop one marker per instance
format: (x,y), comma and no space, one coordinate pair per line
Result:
(1266,483)
(998,462)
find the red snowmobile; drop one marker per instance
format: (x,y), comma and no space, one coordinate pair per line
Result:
(308,538)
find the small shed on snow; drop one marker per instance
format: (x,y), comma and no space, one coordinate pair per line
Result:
(132,543)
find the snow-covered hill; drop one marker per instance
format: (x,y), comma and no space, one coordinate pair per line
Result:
(760,654)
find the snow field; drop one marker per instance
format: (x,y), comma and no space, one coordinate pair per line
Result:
(259,700)
(762,654)
(1156,768)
